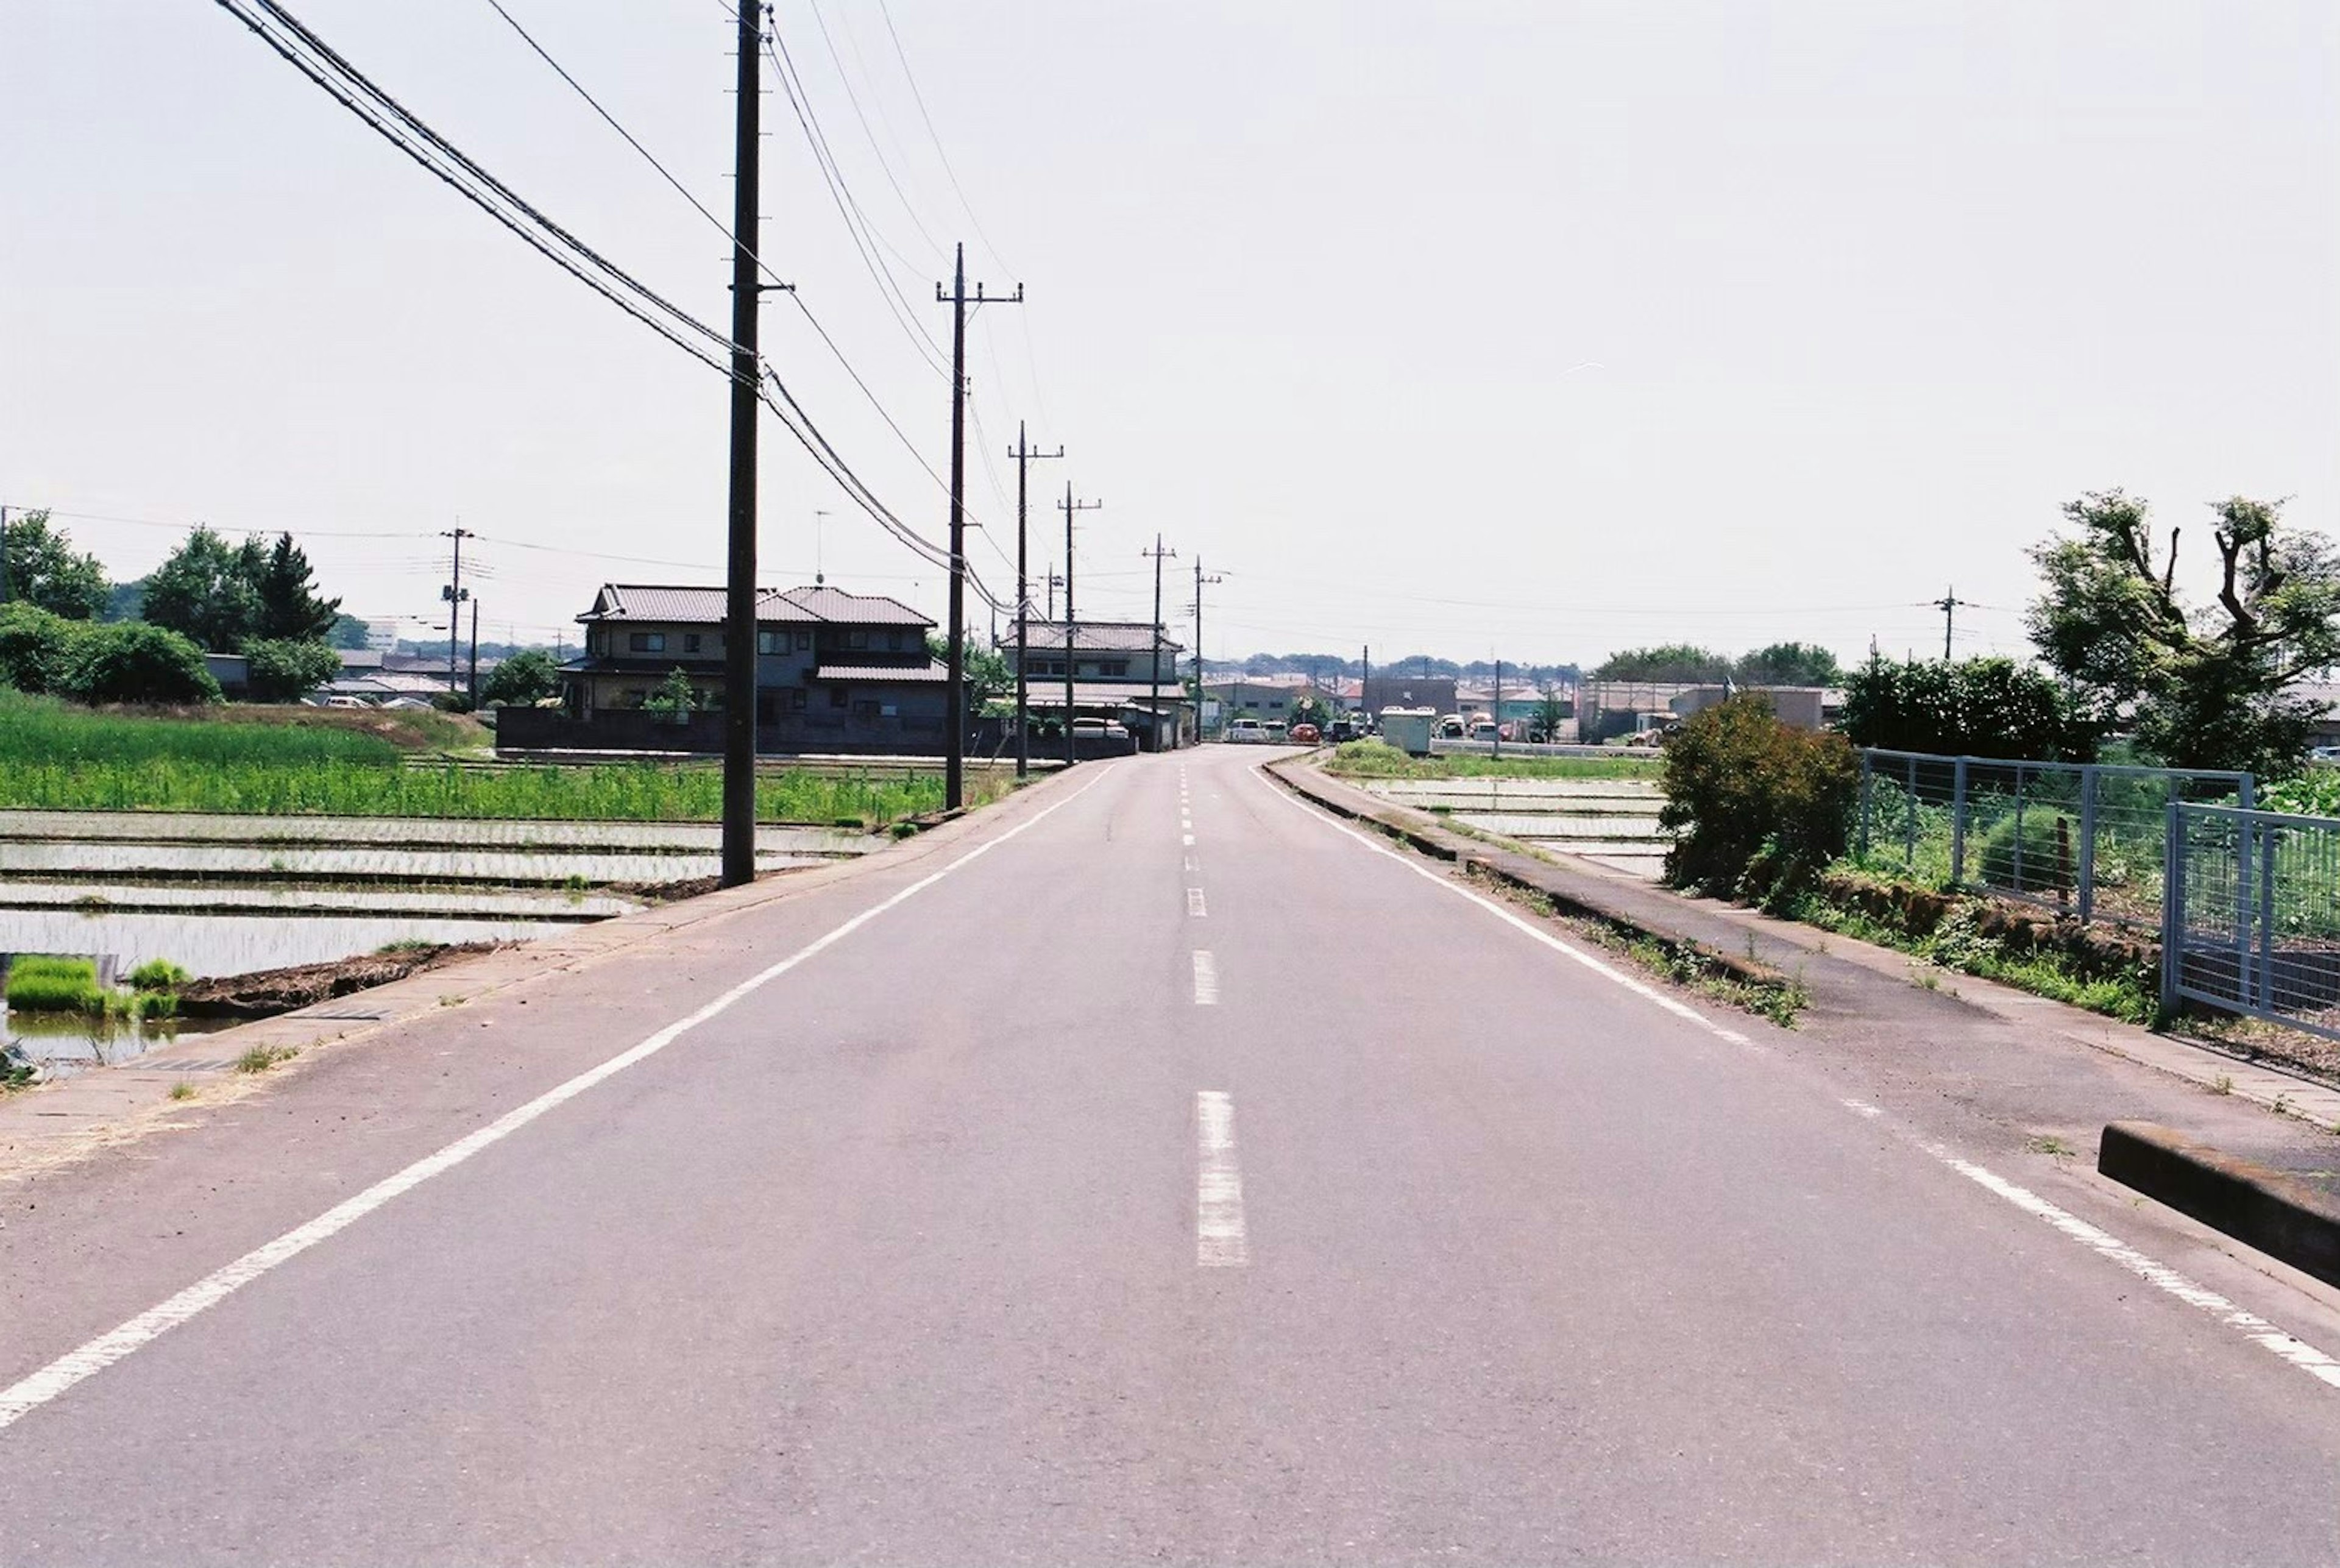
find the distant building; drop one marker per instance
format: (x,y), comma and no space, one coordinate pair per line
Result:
(1115,666)
(1399,690)
(835,673)
(1269,701)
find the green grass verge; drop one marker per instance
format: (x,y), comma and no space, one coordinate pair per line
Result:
(56,756)
(1957,944)
(1380,760)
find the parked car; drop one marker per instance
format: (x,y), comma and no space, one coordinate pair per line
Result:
(1451,727)
(1344,730)
(1111,729)
(1246,731)
(1305,734)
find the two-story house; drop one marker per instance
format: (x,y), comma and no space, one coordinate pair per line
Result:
(1116,666)
(834,672)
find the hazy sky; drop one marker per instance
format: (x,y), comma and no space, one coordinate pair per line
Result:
(1537,329)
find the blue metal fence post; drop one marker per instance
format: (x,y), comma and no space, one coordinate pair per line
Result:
(2018,829)
(2241,913)
(2173,904)
(2268,833)
(2087,842)
(1959,823)
(1910,822)
(1860,839)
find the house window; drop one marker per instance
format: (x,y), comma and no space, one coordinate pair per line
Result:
(771,642)
(857,638)
(1116,667)
(839,696)
(893,642)
(797,699)
(803,642)
(647,641)
(690,642)
(597,642)
(865,708)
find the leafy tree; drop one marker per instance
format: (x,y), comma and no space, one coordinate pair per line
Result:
(2201,686)
(208,591)
(38,564)
(1976,708)
(674,696)
(285,669)
(1674,661)
(348,631)
(36,647)
(125,602)
(527,677)
(290,609)
(1552,711)
(1312,708)
(134,661)
(1788,664)
(988,674)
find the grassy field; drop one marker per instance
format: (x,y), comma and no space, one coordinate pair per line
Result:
(1380,760)
(57,756)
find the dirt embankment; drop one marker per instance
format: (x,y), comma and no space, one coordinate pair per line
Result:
(265,993)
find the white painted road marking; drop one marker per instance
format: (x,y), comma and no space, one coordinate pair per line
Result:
(37,1388)
(1206,979)
(1219,1238)
(1194,903)
(2314,1362)
(1189,841)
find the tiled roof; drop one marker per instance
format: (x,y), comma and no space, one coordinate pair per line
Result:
(698,606)
(915,674)
(1095,637)
(1045,692)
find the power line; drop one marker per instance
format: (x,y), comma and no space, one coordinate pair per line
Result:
(847,83)
(920,99)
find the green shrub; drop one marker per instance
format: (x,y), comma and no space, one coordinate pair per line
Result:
(1758,807)
(131,662)
(287,670)
(1974,707)
(36,646)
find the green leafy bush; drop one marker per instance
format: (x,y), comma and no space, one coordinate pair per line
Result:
(287,670)
(132,662)
(1758,807)
(36,647)
(1976,708)
(528,677)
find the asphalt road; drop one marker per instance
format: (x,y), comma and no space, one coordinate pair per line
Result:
(1177,1179)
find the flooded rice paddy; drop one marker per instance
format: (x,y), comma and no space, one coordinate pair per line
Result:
(228,894)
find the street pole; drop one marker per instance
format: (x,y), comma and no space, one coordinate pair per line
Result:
(1071,507)
(1499,708)
(1023,455)
(1948,604)
(475,653)
(1199,580)
(455,597)
(1153,665)
(955,750)
(746,381)
(4,555)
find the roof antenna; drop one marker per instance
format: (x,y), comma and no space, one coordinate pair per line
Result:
(817,578)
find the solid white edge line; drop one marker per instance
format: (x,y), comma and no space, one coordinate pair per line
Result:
(2298,1352)
(1220,1237)
(38,1388)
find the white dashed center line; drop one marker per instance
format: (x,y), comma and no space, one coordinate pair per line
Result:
(1206,979)
(1219,1238)
(1194,903)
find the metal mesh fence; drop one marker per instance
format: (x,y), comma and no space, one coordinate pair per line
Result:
(2086,839)
(2252,916)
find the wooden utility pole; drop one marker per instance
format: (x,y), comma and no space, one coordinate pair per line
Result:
(1154,669)
(955,751)
(1071,507)
(475,653)
(1024,457)
(746,381)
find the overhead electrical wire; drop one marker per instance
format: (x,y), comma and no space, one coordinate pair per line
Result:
(853,98)
(920,99)
(350,87)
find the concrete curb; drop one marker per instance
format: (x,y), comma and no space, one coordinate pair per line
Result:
(2262,1209)
(1513,869)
